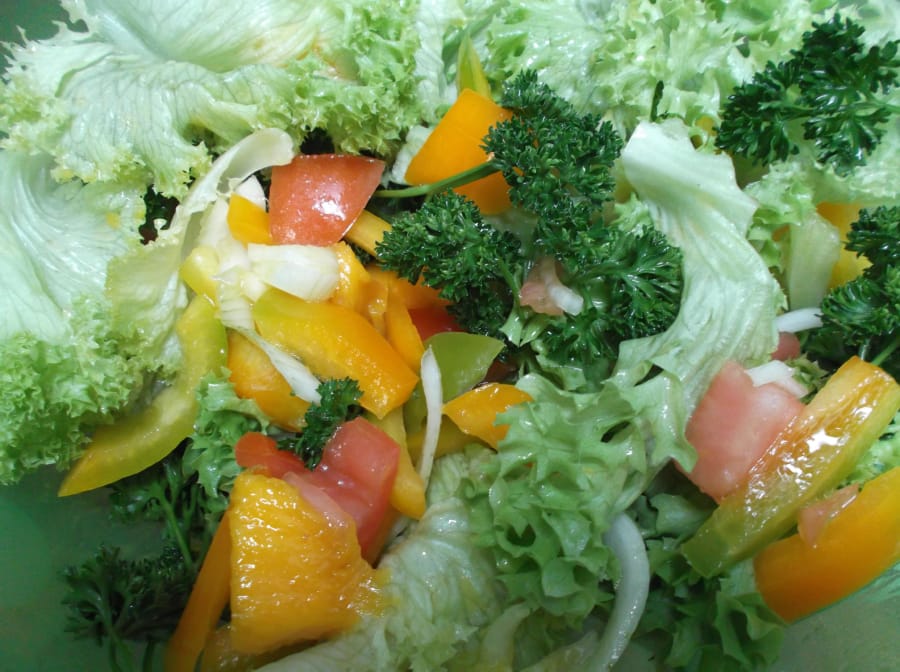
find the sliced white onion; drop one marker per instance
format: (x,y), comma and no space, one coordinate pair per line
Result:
(252,190)
(310,272)
(625,541)
(569,301)
(799,320)
(234,308)
(779,373)
(434,402)
(302,381)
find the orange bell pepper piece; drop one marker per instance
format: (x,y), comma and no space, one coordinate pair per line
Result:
(455,145)
(855,547)
(255,377)
(402,333)
(205,605)
(475,412)
(248,222)
(335,342)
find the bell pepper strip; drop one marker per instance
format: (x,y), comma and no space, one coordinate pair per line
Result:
(464,359)
(255,377)
(856,546)
(367,231)
(207,601)
(408,493)
(248,222)
(314,199)
(455,145)
(809,457)
(814,518)
(141,439)
(475,412)
(198,271)
(849,264)
(401,332)
(378,292)
(335,342)
(431,320)
(469,71)
(353,280)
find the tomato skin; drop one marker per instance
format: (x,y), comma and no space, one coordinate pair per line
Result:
(357,471)
(314,199)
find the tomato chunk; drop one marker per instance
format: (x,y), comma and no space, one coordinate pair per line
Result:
(314,199)
(733,425)
(357,471)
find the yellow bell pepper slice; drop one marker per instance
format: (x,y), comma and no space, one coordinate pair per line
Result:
(248,222)
(856,546)
(849,264)
(198,271)
(810,457)
(475,412)
(335,342)
(143,438)
(367,231)
(205,605)
(353,280)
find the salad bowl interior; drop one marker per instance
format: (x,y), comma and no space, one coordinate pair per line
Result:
(43,533)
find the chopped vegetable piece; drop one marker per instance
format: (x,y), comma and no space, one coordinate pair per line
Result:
(338,403)
(335,342)
(139,440)
(455,145)
(296,573)
(248,222)
(849,264)
(431,320)
(204,608)
(475,412)
(401,332)
(198,271)
(315,198)
(255,377)
(367,230)
(733,425)
(810,457)
(855,547)
(353,280)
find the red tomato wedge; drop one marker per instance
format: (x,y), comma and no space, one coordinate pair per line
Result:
(733,425)
(357,471)
(314,199)
(431,320)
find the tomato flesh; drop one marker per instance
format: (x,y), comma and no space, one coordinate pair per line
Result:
(733,425)
(314,199)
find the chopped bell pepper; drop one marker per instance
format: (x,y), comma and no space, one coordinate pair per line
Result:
(367,231)
(809,457)
(255,377)
(455,145)
(205,605)
(353,280)
(198,271)
(862,541)
(475,412)
(248,222)
(141,439)
(335,342)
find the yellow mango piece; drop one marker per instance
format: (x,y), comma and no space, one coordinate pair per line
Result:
(296,574)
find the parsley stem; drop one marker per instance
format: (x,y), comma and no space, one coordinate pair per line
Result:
(457,180)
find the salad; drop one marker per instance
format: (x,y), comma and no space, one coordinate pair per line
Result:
(479,334)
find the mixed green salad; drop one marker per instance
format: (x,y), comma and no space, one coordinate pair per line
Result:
(622,385)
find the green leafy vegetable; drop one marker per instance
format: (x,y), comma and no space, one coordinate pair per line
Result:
(338,403)
(559,167)
(862,316)
(116,600)
(832,87)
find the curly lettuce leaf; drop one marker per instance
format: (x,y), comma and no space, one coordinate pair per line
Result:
(149,92)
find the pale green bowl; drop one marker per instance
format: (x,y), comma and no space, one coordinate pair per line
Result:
(42,534)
